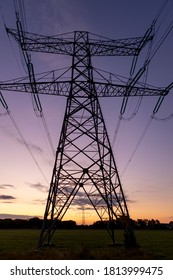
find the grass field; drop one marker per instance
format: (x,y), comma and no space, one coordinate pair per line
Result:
(85,244)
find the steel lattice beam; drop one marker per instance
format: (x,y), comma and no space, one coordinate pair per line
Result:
(63,44)
(62,88)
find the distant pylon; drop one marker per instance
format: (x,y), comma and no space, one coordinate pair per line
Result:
(83,215)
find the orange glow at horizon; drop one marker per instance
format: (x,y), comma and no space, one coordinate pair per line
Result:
(81,216)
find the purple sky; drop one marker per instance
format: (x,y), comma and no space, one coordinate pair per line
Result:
(148,178)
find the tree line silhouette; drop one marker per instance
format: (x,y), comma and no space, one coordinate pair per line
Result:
(36,223)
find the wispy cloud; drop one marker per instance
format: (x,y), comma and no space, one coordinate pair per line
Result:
(32,146)
(14,216)
(22,142)
(86,208)
(38,186)
(7,197)
(5,186)
(39,201)
(130,200)
(81,201)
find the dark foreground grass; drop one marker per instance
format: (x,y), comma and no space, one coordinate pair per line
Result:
(85,244)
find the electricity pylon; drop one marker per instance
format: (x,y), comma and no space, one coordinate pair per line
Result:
(85,167)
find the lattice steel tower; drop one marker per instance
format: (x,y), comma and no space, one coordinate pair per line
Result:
(84,165)
(84,160)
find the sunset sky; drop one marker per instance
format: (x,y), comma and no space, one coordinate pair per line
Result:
(146,170)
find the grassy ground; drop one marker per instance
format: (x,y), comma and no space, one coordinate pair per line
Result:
(85,244)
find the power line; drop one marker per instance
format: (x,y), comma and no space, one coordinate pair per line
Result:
(166,32)
(129,118)
(4,104)
(131,82)
(163,119)
(19,5)
(161,41)
(13,50)
(138,143)
(48,135)
(116,131)
(149,56)
(165,16)
(2,14)
(27,145)
(152,117)
(160,11)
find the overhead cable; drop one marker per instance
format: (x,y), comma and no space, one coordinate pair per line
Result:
(30,70)
(4,104)
(2,14)
(19,7)
(166,32)
(48,135)
(138,143)
(160,11)
(163,119)
(27,146)
(161,41)
(151,53)
(130,84)
(3,18)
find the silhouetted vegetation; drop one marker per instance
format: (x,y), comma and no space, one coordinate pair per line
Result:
(36,223)
(33,223)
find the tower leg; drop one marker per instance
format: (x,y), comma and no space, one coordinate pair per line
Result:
(129,236)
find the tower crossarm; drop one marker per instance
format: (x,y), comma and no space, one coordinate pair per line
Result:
(64,44)
(49,88)
(62,88)
(117,90)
